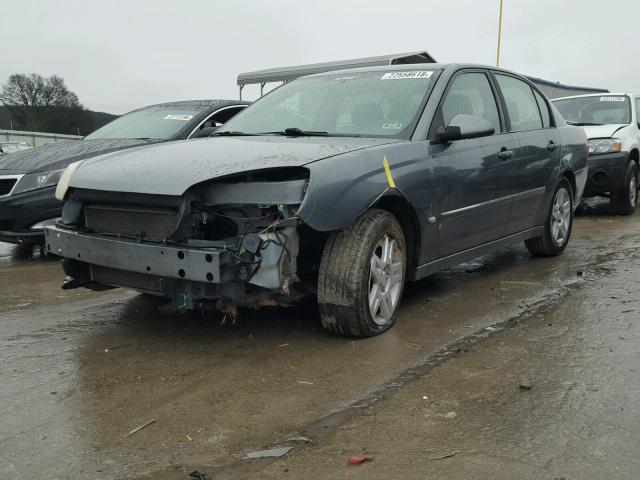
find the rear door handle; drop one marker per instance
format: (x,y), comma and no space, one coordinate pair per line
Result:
(552,146)
(505,154)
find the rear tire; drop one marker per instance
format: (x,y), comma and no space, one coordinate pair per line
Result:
(361,277)
(557,226)
(624,200)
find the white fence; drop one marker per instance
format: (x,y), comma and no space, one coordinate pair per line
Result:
(35,138)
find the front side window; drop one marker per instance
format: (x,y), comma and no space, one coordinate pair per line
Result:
(521,104)
(161,122)
(376,104)
(469,94)
(595,109)
(637,109)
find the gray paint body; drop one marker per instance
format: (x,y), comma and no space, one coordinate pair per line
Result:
(465,200)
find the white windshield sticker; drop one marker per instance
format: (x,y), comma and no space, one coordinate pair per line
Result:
(612,99)
(173,116)
(406,75)
(392,126)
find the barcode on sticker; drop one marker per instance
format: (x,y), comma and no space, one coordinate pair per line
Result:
(173,116)
(612,99)
(406,75)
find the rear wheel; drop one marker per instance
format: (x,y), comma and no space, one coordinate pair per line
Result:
(624,200)
(362,275)
(557,227)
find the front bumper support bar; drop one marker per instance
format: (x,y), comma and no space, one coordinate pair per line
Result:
(200,265)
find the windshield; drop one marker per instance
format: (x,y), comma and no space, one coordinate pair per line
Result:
(595,110)
(153,122)
(369,104)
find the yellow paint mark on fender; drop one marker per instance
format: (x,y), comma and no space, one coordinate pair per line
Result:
(387,170)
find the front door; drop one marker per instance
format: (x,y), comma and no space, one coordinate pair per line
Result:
(471,176)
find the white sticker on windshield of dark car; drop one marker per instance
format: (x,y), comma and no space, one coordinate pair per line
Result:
(406,75)
(175,116)
(612,99)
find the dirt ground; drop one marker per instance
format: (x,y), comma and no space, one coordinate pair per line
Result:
(510,366)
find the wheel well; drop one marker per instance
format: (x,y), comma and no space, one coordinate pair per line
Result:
(572,181)
(406,215)
(635,156)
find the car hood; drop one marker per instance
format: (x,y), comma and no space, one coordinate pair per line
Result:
(602,131)
(58,155)
(171,168)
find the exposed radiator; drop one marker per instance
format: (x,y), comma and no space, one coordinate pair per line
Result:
(151,223)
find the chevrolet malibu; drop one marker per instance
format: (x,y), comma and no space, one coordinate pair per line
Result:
(340,185)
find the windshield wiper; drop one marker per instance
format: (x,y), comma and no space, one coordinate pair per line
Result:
(231,133)
(583,124)
(296,132)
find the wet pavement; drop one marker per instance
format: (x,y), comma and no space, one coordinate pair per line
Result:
(82,370)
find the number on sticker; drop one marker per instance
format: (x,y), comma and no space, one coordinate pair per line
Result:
(406,75)
(173,116)
(612,99)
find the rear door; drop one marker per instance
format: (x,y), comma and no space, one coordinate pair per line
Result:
(537,151)
(471,175)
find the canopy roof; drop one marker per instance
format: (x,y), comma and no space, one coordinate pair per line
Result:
(285,74)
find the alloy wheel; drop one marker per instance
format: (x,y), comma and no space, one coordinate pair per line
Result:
(561,216)
(385,279)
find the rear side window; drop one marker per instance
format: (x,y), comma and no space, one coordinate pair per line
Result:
(544,110)
(638,110)
(521,104)
(469,94)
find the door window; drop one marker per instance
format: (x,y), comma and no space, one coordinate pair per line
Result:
(638,110)
(544,110)
(469,94)
(521,104)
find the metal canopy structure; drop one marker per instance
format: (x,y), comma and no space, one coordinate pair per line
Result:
(285,74)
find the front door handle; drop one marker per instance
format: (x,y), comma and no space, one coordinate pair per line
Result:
(505,154)
(552,146)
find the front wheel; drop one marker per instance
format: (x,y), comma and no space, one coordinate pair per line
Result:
(558,224)
(361,277)
(625,199)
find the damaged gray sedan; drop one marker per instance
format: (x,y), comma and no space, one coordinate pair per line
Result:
(340,185)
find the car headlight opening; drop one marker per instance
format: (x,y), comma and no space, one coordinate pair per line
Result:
(65,180)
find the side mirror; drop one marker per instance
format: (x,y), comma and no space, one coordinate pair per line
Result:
(464,126)
(205,132)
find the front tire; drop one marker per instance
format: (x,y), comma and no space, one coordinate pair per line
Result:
(557,226)
(624,200)
(361,277)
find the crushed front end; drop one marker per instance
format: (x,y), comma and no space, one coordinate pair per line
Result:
(227,243)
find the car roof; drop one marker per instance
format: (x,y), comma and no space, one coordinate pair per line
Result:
(415,66)
(204,104)
(607,94)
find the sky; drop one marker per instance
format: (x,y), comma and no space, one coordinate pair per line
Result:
(120,55)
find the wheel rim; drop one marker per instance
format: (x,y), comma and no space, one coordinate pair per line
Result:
(561,217)
(385,279)
(633,191)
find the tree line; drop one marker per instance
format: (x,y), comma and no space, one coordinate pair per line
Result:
(45,104)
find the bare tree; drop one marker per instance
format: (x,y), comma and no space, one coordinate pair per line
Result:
(39,103)
(34,90)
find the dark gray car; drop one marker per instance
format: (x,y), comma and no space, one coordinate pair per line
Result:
(339,185)
(28,179)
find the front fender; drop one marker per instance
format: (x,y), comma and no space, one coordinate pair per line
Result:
(341,188)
